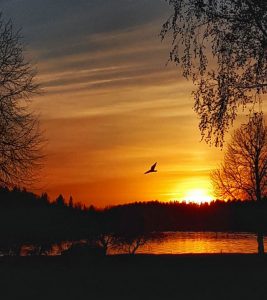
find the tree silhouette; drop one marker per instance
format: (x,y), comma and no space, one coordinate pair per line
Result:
(222,46)
(130,243)
(105,241)
(20,137)
(60,201)
(71,202)
(243,172)
(242,175)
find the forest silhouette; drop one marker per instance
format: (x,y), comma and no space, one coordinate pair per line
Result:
(29,219)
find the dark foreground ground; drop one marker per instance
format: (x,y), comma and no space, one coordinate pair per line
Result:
(137,277)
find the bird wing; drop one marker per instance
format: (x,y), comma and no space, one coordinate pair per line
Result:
(153,167)
(149,171)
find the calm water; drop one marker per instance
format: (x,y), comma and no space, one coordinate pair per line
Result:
(185,243)
(201,242)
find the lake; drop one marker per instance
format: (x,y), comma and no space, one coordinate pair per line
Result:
(201,242)
(183,243)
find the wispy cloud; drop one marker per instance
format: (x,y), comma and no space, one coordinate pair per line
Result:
(111,106)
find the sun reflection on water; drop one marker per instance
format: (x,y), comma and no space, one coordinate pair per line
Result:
(202,242)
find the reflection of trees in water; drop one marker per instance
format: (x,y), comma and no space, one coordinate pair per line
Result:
(30,249)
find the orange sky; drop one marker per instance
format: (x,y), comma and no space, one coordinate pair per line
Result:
(110,106)
(107,124)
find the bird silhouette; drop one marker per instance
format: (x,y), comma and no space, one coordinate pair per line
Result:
(152,169)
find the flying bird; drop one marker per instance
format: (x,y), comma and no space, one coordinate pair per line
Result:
(152,169)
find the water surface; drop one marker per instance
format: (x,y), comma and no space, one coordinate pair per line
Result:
(201,242)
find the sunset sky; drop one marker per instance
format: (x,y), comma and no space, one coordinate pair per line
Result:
(110,106)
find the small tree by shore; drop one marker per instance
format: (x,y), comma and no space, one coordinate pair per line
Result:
(131,242)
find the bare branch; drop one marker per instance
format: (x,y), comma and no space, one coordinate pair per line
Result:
(243,172)
(20,136)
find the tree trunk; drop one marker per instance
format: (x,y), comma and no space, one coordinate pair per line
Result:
(260,237)
(258,180)
(260,241)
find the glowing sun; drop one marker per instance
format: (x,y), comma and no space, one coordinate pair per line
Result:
(198,196)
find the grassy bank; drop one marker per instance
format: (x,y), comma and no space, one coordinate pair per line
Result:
(136,277)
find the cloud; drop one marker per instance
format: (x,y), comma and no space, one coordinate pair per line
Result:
(58,21)
(110,106)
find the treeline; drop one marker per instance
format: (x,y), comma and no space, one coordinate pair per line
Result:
(248,216)
(28,219)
